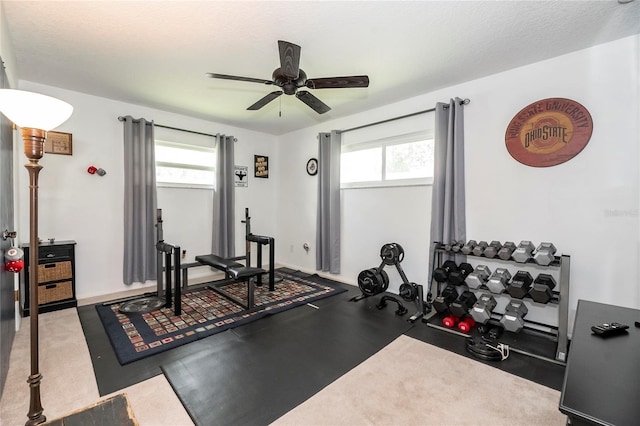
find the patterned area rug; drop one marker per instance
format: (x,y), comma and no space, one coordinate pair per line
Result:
(204,312)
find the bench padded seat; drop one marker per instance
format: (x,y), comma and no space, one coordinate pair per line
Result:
(218,262)
(236,270)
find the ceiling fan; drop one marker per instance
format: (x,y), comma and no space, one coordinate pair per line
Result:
(289,78)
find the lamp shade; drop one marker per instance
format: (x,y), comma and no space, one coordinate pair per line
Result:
(34,110)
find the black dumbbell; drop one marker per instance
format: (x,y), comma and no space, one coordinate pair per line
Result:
(482,309)
(542,289)
(514,312)
(520,284)
(458,276)
(441,303)
(463,303)
(441,273)
(478,277)
(506,250)
(492,249)
(468,248)
(523,252)
(545,254)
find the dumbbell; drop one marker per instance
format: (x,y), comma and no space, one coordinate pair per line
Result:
(457,276)
(520,284)
(482,309)
(545,254)
(498,281)
(450,246)
(523,252)
(506,250)
(466,324)
(468,247)
(441,303)
(457,246)
(441,274)
(512,320)
(541,291)
(492,249)
(478,277)
(480,248)
(450,321)
(463,303)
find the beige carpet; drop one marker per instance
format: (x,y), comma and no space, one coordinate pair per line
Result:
(68,382)
(413,383)
(407,382)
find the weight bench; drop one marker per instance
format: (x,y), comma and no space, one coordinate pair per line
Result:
(234,272)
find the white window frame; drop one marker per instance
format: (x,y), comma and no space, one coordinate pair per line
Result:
(384,143)
(191,147)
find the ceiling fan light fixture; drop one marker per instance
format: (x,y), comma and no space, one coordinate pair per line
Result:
(289,77)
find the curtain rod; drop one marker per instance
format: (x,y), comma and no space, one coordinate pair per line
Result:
(463,102)
(174,128)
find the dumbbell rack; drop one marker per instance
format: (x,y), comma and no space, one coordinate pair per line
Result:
(558,334)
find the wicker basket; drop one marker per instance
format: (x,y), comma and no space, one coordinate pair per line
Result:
(54,271)
(48,293)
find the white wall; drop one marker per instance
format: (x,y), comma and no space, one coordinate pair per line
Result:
(75,205)
(588,206)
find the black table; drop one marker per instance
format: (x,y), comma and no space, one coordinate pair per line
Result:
(602,379)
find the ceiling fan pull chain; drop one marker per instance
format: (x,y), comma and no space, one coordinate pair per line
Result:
(280,112)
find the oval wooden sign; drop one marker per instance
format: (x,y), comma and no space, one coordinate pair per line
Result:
(549,132)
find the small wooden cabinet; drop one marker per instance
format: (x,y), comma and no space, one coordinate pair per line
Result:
(56,277)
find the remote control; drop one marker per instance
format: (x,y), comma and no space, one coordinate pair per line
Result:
(609,329)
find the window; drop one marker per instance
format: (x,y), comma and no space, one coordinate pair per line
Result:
(394,161)
(182,165)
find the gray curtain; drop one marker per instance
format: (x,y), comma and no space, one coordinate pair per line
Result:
(223,241)
(328,217)
(140,201)
(448,220)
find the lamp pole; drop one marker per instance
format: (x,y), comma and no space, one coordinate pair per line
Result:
(34,113)
(33,149)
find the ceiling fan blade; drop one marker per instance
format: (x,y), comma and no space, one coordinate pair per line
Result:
(235,77)
(338,82)
(289,59)
(316,104)
(262,102)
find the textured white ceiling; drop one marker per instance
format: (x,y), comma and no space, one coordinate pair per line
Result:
(156,53)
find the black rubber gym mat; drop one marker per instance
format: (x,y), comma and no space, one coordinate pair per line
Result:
(111,376)
(280,362)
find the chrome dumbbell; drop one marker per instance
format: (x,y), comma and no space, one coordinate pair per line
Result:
(482,309)
(523,252)
(512,320)
(480,248)
(545,254)
(468,247)
(492,250)
(498,281)
(506,250)
(478,277)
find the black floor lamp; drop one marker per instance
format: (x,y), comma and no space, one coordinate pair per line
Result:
(35,114)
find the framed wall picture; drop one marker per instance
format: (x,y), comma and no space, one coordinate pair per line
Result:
(241,176)
(58,143)
(261,166)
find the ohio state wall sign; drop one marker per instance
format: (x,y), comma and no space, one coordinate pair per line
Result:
(549,132)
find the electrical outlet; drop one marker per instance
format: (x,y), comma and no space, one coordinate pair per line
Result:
(291,249)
